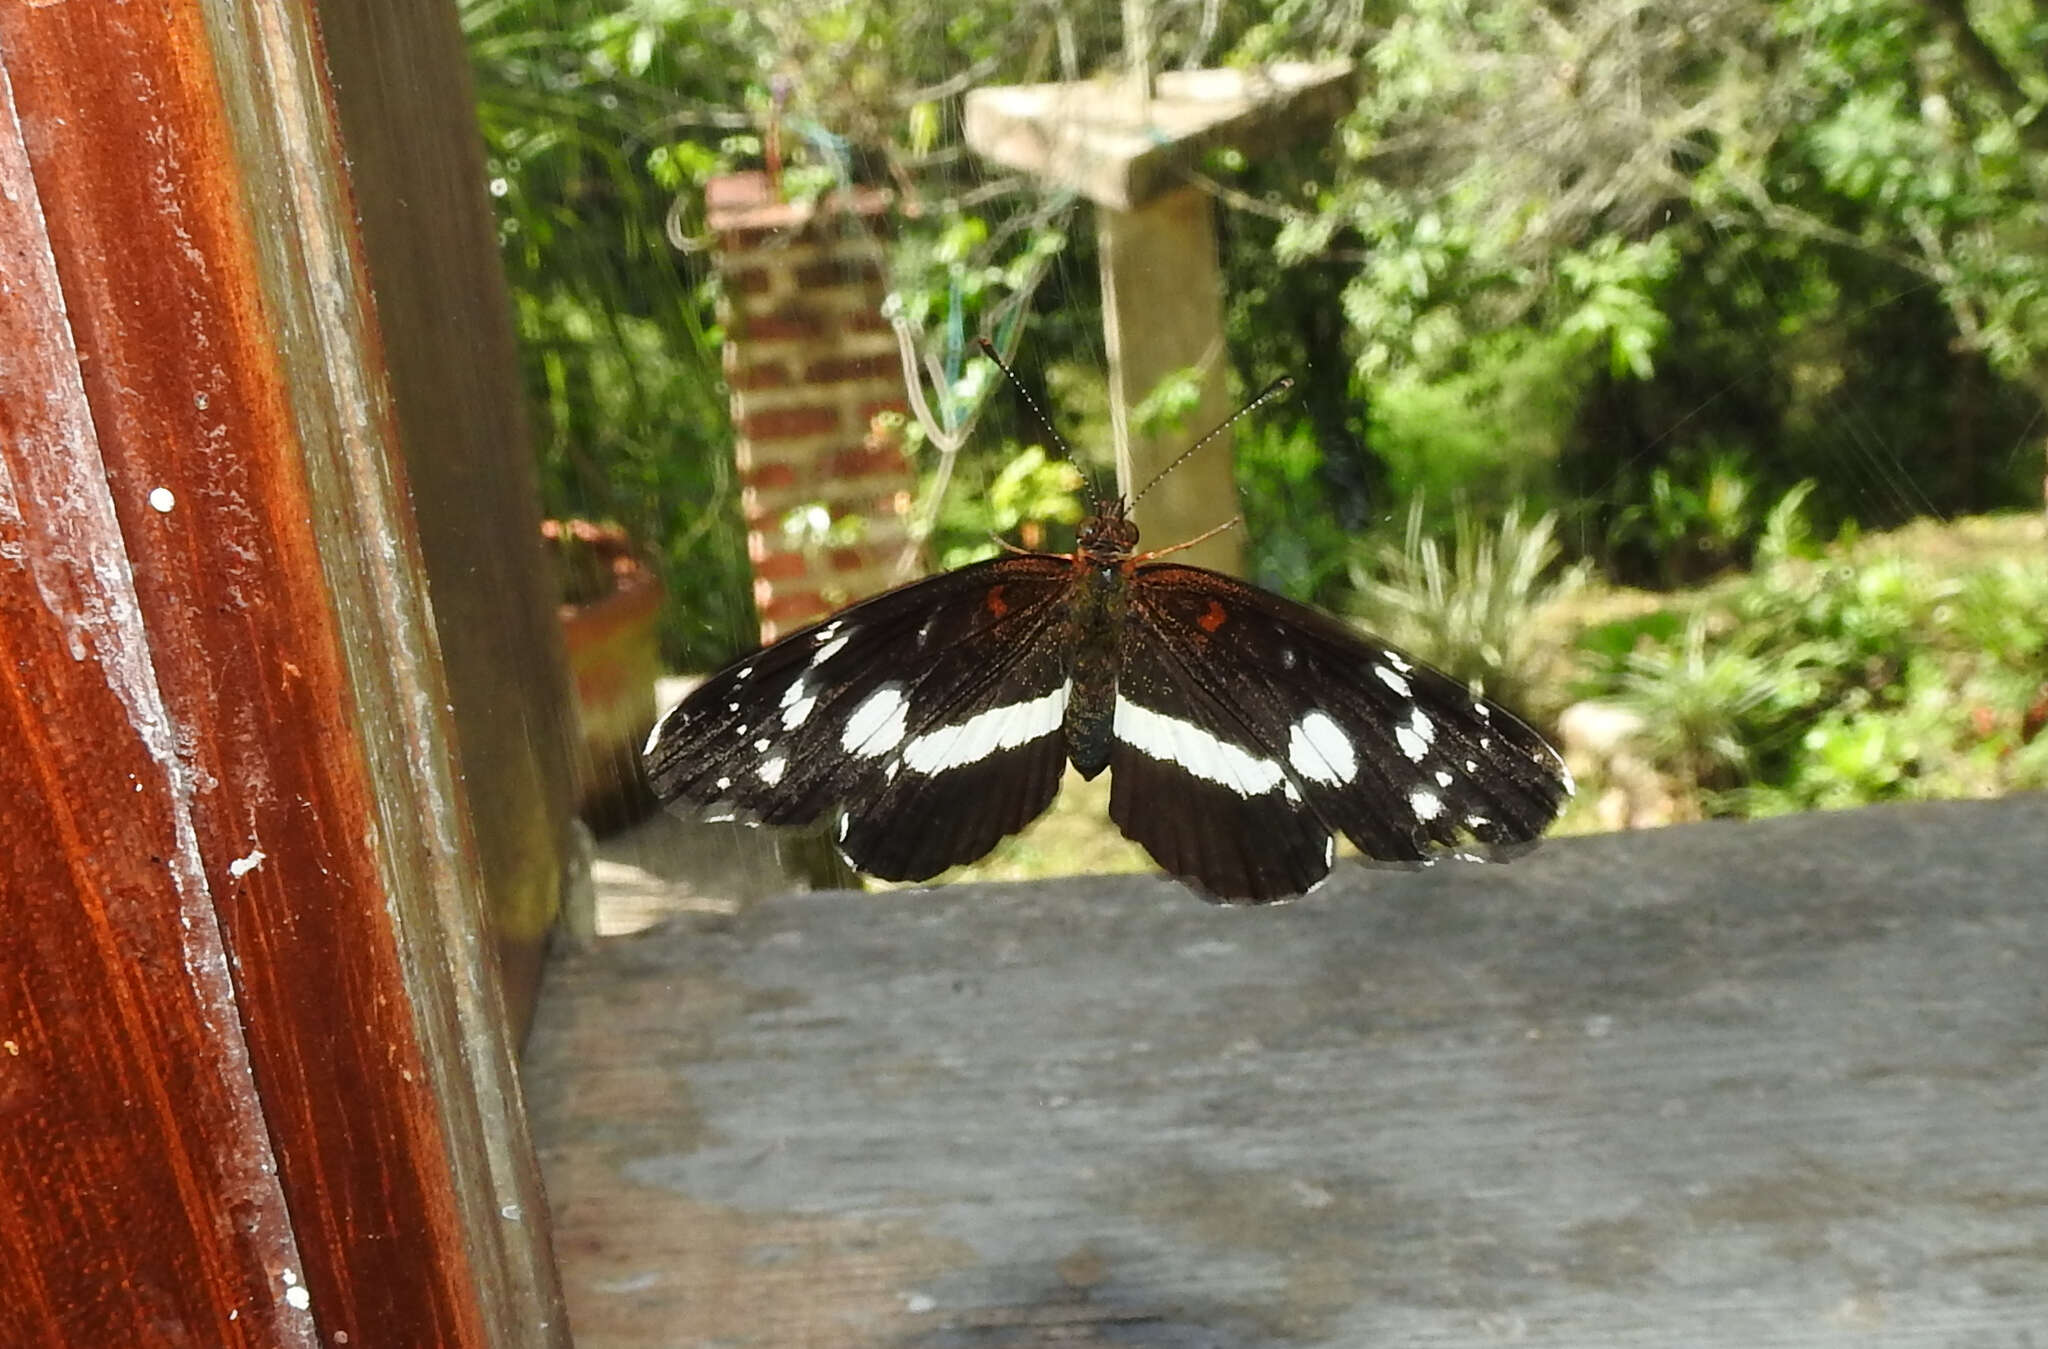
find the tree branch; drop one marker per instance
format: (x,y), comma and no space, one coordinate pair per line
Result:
(1953,18)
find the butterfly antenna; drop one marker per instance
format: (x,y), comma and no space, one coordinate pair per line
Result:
(988,349)
(1271,391)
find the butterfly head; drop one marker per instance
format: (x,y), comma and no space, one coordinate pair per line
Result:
(1108,535)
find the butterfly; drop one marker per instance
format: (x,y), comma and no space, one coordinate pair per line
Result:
(1242,732)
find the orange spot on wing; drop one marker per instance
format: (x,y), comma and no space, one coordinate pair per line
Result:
(1214,617)
(995,603)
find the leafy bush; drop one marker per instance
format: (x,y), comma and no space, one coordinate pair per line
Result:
(620,359)
(1709,707)
(1019,497)
(1469,613)
(1868,676)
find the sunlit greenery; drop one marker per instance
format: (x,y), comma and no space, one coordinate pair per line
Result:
(1686,297)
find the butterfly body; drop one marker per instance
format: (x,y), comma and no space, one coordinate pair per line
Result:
(1097,611)
(1241,731)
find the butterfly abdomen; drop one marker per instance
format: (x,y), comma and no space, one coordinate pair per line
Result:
(1094,623)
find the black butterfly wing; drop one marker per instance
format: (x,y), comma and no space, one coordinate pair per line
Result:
(929,716)
(1191,785)
(1361,739)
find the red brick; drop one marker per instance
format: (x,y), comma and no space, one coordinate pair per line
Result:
(787,423)
(762,375)
(835,272)
(870,411)
(769,476)
(858,557)
(838,369)
(749,281)
(782,567)
(782,327)
(865,321)
(793,607)
(865,459)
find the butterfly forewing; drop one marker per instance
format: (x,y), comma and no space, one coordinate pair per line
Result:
(929,715)
(1401,759)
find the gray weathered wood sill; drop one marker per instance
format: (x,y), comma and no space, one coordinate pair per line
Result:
(1721,1085)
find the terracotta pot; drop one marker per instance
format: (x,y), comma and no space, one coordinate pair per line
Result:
(614,659)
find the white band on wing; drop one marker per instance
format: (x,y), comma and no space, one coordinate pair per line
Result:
(984,733)
(1171,740)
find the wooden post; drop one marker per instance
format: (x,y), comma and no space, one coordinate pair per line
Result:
(1128,147)
(1153,329)
(255,1073)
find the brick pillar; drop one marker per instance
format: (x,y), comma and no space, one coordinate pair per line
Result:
(811,363)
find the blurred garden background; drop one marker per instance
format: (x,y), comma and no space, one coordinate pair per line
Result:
(1677,371)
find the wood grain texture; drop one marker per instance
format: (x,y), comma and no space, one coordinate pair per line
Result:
(138,1195)
(226,372)
(1719,1086)
(404,107)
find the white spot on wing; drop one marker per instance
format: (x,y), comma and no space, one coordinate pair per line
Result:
(1426,804)
(828,651)
(1392,680)
(1424,728)
(1412,745)
(724,783)
(878,725)
(984,733)
(1443,779)
(797,702)
(1394,659)
(772,769)
(1171,740)
(1318,750)
(761,746)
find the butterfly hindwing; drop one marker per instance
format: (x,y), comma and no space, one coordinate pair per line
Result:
(929,715)
(1400,758)
(1192,786)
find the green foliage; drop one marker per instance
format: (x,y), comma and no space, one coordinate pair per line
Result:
(1650,266)
(1691,530)
(1469,613)
(1863,677)
(1169,405)
(1442,439)
(1706,706)
(1025,492)
(620,361)
(1293,541)
(1801,237)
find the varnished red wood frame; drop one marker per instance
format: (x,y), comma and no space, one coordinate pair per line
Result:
(233,1100)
